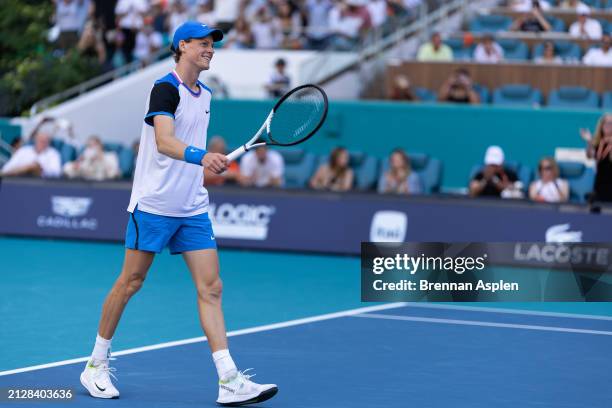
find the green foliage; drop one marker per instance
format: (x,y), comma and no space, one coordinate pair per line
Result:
(29,69)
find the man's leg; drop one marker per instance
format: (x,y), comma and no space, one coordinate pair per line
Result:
(234,387)
(204,267)
(135,267)
(96,376)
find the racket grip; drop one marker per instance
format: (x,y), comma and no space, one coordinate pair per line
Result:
(236,153)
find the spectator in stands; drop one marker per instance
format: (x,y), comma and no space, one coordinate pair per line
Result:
(348,19)
(378,12)
(279,81)
(585,27)
(38,160)
(599,147)
(68,19)
(532,21)
(435,50)
(459,88)
(266,30)
(336,175)
(104,16)
(160,17)
(240,36)
(572,5)
(290,21)
(494,178)
(231,175)
(148,42)
(488,51)
(262,168)
(549,188)
(91,43)
(178,15)
(402,89)
(205,13)
(94,163)
(317,31)
(528,5)
(548,56)
(226,12)
(129,15)
(600,56)
(399,179)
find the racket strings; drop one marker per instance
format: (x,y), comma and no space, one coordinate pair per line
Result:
(298,116)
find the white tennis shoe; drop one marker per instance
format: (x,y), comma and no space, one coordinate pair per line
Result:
(96,378)
(240,390)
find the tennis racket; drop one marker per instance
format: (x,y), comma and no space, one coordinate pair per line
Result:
(295,118)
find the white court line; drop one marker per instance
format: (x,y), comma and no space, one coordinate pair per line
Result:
(256,329)
(508,311)
(483,324)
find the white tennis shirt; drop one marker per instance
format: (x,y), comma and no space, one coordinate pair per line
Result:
(163,185)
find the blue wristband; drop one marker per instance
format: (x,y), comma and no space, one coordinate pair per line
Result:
(194,155)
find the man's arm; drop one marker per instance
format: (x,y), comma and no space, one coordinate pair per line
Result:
(169,145)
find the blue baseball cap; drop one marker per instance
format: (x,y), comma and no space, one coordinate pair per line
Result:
(193,29)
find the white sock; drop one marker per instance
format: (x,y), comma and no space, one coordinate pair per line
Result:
(226,368)
(101,349)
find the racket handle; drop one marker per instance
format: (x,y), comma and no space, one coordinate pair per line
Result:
(236,153)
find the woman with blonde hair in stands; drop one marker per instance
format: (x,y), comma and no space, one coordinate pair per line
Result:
(399,179)
(599,147)
(336,175)
(549,188)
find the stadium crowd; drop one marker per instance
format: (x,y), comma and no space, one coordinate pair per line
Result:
(337,172)
(120,31)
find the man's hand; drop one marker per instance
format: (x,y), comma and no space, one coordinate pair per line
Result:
(215,162)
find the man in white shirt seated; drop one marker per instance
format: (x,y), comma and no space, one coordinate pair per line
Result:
(600,56)
(262,168)
(39,159)
(488,51)
(585,27)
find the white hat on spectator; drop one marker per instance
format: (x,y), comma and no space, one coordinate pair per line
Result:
(494,155)
(583,10)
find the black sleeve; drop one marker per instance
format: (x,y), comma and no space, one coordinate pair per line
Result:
(479,176)
(164,100)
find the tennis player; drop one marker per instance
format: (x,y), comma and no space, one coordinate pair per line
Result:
(168,207)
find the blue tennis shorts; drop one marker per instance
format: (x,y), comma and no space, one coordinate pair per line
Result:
(151,232)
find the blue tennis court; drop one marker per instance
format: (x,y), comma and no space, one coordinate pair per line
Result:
(292,323)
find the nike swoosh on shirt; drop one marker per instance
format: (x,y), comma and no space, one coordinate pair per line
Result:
(207,112)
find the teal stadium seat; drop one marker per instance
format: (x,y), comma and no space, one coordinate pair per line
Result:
(490,23)
(113,147)
(126,162)
(460,52)
(299,167)
(517,95)
(556,23)
(483,93)
(580,179)
(364,167)
(428,169)
(606,100)
(596,3)
(567,50)
(425,95)
(67,153)
(514,50)
(575,97)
